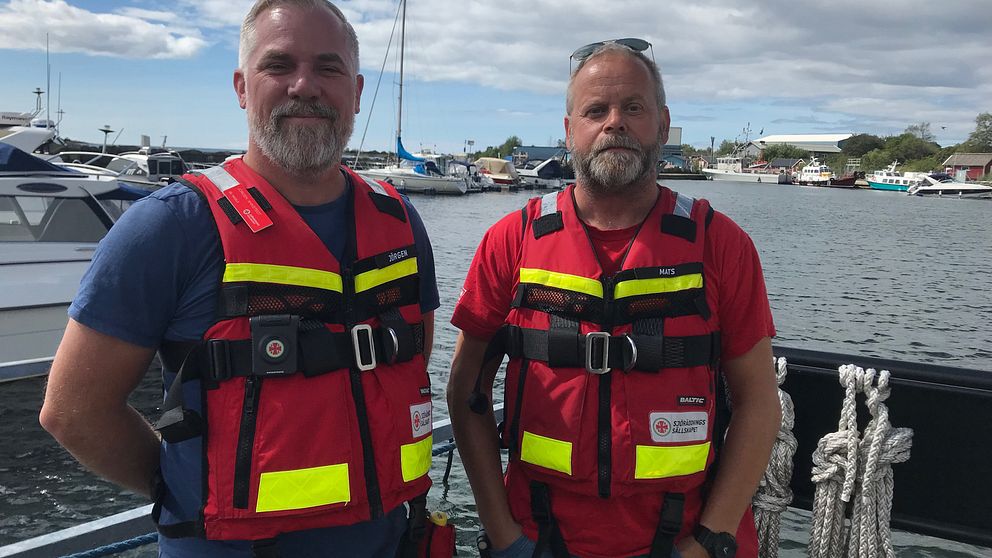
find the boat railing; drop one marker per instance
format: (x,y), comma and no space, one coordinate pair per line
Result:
(934,399)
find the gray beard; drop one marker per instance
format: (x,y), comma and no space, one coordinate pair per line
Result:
(306,151)
(612,173)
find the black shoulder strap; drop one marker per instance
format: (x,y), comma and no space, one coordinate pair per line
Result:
(550,219)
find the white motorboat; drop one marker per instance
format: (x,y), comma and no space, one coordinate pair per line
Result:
(51,220)
(547,174)
(502,172)
(891,180)
(944,185)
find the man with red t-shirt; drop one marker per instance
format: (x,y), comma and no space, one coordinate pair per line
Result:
(623,307)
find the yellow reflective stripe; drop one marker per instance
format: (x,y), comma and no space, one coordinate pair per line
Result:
(657,285)
(657,462)
(564,281)
(415,458)
(376,277)
(282,275)
(547,452)
(303,488)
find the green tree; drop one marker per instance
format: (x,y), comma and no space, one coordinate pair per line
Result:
(726,148)
(908,147)
(980,140)
(782,151)
(858,145)
(921,130)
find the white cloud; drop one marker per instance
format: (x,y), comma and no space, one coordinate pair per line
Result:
(131,33)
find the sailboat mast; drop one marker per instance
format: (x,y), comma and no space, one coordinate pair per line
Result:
(399,121)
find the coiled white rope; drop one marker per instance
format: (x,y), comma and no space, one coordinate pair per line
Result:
(881,446)
(846,469)
(835,465)
(774,493)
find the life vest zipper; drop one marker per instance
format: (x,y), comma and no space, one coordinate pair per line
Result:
(604,419)
(246,442)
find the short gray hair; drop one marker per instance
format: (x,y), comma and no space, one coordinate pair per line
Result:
(247,44)
(617,48)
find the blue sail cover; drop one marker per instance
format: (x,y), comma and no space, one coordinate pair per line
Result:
(404,154)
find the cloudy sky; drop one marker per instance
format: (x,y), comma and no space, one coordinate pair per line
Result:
(481,72)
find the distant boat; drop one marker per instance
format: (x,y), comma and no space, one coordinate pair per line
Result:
(547,174)
(892,180)
(815,174)
(731,168)
(501,171)
(944,185)
(141,167)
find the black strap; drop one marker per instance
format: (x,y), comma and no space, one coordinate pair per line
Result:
(388,205)
(320,351)
(547,224)
(548,534)
(660,351)
(677,225)
(669,526)
(416,527)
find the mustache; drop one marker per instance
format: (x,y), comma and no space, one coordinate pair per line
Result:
(303,108)
(623,141)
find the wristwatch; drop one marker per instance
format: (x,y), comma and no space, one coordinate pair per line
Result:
(718,545)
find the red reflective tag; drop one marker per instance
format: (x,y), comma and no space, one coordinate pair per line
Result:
(248,208)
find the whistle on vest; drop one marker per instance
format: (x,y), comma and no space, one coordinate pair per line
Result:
(274,344)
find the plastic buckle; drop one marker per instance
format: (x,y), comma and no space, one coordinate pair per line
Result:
(274,344)
(629,353)
(600,339)
(219,366)
(356,343)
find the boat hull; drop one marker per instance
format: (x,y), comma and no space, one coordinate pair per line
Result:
(411,183)
(887,187)
(765,178)
(954,193)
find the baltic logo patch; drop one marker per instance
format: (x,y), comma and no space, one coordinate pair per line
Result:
(425,391)
(692,401)
(679,427)
(420,419)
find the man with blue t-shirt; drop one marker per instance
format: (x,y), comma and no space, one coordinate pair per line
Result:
(292,304)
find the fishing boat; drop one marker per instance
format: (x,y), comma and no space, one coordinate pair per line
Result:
(732,168)
(51,220)
(891,180)
(942,184)
(815,174)
(412,173)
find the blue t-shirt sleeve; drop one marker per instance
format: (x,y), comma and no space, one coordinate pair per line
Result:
(430,300)
(138,287)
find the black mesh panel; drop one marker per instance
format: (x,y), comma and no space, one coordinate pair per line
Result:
(254,299)
(567,304)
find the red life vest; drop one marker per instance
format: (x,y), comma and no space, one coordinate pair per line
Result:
(316,398)
(610,386)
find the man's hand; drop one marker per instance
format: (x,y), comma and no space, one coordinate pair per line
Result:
(689,548)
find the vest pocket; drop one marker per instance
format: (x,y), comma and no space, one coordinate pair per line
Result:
(553,433)
(670,418)
(281,446)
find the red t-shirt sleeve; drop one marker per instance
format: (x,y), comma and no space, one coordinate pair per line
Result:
(744,313)
(485,299)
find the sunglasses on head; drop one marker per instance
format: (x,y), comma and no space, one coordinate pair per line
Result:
(636,45)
